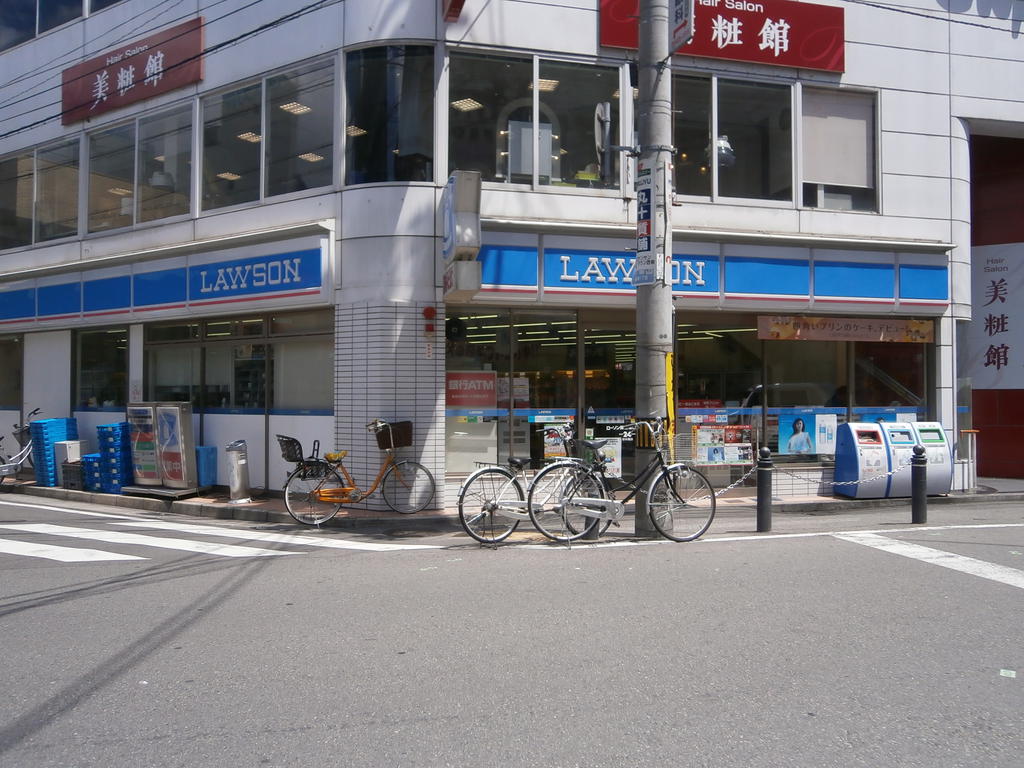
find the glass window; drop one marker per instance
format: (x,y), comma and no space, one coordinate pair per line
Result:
(691,134)
(53,13)
(579,123)
(754,144)
(487,95)
(16,201)
(172,332)
(390,114)
(292,323)
(57,191)
(313,390)
(111,178)
(232,134)
(165,165)
(172,374)
(10,373)
(838,139)
(890,375)
(102,368)
(19,22)
(300,147)
(236,376)
(99,5)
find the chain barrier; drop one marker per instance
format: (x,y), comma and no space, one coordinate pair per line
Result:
(876,478)
(729,487)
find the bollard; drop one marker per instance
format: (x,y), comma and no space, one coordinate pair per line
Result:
(919,486)
(764,490)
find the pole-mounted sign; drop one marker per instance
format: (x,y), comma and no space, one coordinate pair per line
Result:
(681,23)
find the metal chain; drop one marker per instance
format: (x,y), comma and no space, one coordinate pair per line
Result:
(898,469)
(753,469)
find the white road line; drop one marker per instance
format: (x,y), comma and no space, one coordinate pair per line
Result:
(118,537)
(961,563)
(307,540)
(63,554)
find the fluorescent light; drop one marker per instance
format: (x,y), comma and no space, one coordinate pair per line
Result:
(119,191)
(228,176)
(467,105)
(545,86)
(311,157)
(295,108)
(354,130)
(252,138)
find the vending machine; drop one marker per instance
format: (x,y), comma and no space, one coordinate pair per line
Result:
(940,456)
(862,461)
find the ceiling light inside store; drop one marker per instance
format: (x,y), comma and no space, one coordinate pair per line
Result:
(354,130)
(546,86)
(295,108)
(252,138)
(228,176)
(311,157)
(119,191)
(467,105)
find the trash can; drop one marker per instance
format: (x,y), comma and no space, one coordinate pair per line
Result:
(238,472)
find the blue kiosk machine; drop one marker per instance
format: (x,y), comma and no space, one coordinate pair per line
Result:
(866,454)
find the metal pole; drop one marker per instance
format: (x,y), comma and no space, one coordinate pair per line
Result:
(654,322)
(919,486)
(764,490)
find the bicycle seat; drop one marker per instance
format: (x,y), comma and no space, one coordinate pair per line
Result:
(518,464)
(335,456)
(595,445)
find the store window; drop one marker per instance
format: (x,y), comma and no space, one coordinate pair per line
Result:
(754,142)
(16,200)
(53,13)
(165,165)
(20,19)
(56,211)
(111,178)
(389,114)
(10,373)
(101,369)
(300,149)
(691,134)
(232,134)
(838,150)
(483,92)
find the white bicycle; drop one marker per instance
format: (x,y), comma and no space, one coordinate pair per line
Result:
(10,466)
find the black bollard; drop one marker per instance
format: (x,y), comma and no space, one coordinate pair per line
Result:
(919,486)
(764,490)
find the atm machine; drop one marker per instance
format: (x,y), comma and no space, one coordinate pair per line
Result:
(940,456)
(900,439)
(862,456)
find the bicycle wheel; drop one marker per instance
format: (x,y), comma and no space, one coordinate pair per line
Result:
(480,504)
(407,487)
(681,503)
(300,493)
(552,492)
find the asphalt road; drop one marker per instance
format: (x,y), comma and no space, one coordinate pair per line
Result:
(836,641)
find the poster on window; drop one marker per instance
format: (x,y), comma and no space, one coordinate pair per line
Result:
(722,444)
(143,441)
(796,433)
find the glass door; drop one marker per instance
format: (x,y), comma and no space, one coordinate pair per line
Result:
(609,382)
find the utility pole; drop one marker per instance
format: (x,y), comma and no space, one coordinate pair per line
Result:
(652,272)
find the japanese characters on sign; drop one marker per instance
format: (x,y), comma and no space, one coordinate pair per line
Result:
(997,329)
(778,32)
(893,329)
(140,70)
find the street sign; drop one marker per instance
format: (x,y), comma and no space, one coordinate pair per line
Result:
(651,223)
(681,23)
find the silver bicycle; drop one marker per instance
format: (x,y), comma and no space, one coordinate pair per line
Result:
(10,466)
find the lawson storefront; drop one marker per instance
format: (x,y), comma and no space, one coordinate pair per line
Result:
(770,340)
(244,332)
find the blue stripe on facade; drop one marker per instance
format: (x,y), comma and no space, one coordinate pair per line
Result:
(168,286)
(767,276)
(514,266)
(919,281)
(109,293)
(18,304)
(839,278)
(297,270)
(63,299)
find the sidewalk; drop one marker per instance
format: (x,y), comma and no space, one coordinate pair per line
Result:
(736,503)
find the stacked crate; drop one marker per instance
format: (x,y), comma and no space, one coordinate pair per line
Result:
(91,476)
(44,433)
(115,456)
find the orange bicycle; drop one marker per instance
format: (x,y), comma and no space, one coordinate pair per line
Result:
(318,486)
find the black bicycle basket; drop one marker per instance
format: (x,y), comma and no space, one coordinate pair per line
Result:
(395,435)
(291,449)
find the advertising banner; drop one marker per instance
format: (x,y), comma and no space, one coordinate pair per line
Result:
(996,333)
(471,389)
(792,328)
(175,447)
(141,421)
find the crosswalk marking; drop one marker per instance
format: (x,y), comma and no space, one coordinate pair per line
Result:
(277,538)
(962,563)
(63,554)
(120,537)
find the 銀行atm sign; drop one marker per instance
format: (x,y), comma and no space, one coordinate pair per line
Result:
(778,32)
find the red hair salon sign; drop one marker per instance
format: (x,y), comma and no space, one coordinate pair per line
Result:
(779,32)
(156,64)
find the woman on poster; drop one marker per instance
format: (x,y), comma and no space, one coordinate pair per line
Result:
(800,440)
